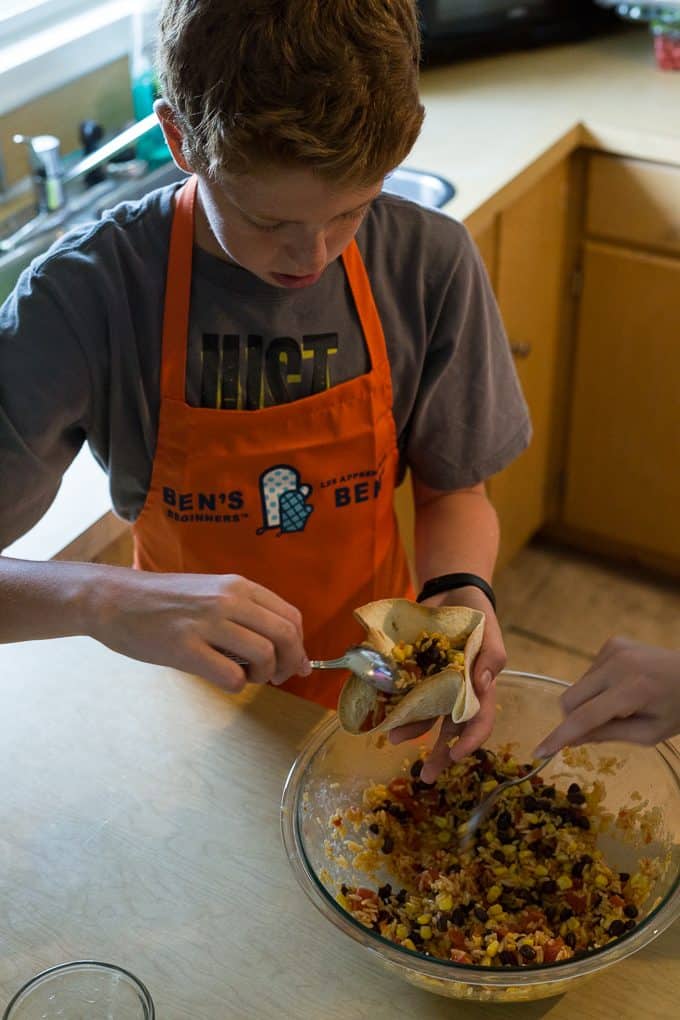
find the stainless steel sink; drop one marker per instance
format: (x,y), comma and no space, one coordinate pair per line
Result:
(418,186)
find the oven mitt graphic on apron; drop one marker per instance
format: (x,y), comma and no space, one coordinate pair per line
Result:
(284,503)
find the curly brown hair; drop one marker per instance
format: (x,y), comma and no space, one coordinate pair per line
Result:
(326,84)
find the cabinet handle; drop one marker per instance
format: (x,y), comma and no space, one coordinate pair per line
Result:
(520,350)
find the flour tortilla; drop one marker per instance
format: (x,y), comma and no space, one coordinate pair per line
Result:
(389,621)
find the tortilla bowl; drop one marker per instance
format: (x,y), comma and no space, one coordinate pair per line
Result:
(449,691)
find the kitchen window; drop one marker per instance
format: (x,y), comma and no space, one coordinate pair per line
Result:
(46,43)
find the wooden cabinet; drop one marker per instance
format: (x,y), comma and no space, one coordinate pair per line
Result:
(623,467)
(531,265)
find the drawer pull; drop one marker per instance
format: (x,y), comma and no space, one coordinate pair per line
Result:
(521,350)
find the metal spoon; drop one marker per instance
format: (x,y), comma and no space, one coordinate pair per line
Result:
(366,663)
(466,831)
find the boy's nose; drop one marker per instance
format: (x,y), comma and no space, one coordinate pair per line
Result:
(309,254)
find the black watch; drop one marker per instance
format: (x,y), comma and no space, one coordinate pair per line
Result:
(448,582)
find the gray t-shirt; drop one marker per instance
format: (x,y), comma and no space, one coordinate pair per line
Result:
(80,347)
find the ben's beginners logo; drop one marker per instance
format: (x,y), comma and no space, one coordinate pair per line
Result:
(284,500)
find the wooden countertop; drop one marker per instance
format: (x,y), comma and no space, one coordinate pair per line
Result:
(492,127)
(139,825)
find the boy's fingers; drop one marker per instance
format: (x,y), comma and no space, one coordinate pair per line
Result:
(592,683)
(476,731)
(212,665)
(610,705)
(438,758)
(410,731)
(637,729)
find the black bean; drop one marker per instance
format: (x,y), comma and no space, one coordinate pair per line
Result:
(582,821)
(374,827)
(499,856)
(458,917)
(416,768)
(570,940)
(576,798)
(623,877)
(597,899)
(401,896)
(529,803)
(617,927)
(548,791)
(419,786)
(508,958)
(586,859)
(543,804)
(630,925)
(385,891)
(506,837)
(481,914)
(343,889)
(416,938)
(388,845)
(504,820)
(630,910)
(528,952)
(443,922)
(466,805)
(548,887)
(566,913)
(384,915)
(480,754)
(577,869)
(574,788)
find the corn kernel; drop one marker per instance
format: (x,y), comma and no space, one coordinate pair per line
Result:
(489,785)
(444,836)
(573,924)
(441,822)
(564,882)
(445,901)
(601,881)
(495,910)
(402,931)
(424,918)
(541,870)
(493,947)
(408,944)
(342,901)
(494,893)
(425,931)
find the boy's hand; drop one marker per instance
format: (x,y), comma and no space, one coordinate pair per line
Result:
(631,692)
(488,664)
(190,622)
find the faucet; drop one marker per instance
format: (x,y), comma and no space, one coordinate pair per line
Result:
(50,179)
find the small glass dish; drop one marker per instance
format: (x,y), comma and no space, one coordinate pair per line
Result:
(334,767)
(82,990)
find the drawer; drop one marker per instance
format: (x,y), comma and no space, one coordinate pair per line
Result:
(634,202)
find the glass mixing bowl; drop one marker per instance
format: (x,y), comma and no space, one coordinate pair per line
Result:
(334,767)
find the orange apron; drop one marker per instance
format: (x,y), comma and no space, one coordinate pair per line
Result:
(296,497)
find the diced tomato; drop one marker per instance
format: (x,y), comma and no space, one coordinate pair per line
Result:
(458,956)
(399,788)
(551,950)
(456,938)
(577,901)
(367,894)
(617,901)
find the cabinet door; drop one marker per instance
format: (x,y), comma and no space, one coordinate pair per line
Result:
(531,257)
(623,479)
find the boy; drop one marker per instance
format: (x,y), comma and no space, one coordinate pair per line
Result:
(256,357)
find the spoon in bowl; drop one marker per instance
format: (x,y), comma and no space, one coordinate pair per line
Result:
(368,664)
(466,831)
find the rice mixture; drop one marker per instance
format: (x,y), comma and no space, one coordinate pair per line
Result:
(430,653)
(534,889)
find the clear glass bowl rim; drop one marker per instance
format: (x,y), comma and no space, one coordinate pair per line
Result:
(72,965)
(656,922)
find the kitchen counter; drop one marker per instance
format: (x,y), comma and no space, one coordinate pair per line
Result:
(493,127)
(140,826)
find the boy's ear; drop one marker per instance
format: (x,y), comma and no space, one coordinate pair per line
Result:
(172,132)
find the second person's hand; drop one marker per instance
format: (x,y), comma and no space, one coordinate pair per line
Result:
(488,664)
(192,622)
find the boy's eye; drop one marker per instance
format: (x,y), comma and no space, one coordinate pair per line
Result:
(353,214)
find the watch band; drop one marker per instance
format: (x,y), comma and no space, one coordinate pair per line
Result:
(448,582)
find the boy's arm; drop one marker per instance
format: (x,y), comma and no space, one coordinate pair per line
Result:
(458,531)
(186,621)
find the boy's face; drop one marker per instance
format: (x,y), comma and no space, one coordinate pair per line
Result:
(283,225)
